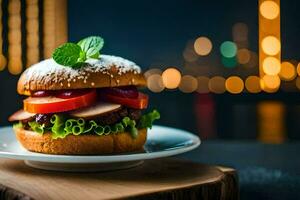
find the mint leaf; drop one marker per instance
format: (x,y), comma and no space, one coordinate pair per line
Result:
(96,56)
(91,46)
(68,54)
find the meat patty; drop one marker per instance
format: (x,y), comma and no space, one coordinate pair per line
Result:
(114,117)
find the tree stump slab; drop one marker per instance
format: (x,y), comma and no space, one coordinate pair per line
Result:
(167,178)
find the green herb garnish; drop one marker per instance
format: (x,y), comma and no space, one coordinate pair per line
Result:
(73,55)
(91,46)
(62,127)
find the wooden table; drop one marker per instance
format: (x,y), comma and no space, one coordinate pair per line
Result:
(156,179)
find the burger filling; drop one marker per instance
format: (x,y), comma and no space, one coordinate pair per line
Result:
(75,112)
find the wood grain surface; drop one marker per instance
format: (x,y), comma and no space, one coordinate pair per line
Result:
(155,179)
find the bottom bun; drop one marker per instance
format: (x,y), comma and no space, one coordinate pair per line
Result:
(81,144)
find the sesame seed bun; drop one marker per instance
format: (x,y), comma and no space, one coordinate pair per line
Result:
(108,71)
(81,144)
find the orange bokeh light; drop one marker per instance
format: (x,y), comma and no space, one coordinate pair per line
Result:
(288,71)
(252,84)
(234,84)
(203,46)
(171,78)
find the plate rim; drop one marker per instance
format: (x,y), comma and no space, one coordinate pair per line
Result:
(107,158)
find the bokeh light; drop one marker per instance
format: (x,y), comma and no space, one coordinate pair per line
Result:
(240,32)
(171,78)
(15,66)
(269,82)
(155,83)
(217,85)
(253,62)
(188,84)
(228,49)
(288,71)
(14,37)
(243,56)
(189,53)
(234,85)
(271,45)
(202,84)
(202,46)
(3,62)
(152,71)
(269,9)
(252,84)
(298,69)
(271,66)
(32,33)
(229,62)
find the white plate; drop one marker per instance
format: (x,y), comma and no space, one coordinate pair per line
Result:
(161,142)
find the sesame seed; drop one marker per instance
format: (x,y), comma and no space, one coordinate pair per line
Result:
(92,83)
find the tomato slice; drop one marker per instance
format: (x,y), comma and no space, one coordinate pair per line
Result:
(141,102)
(51,104)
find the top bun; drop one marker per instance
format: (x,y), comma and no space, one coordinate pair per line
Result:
(108,71)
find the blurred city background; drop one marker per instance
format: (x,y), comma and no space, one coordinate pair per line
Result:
(220,69)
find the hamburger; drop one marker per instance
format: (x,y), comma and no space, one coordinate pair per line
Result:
(81,103)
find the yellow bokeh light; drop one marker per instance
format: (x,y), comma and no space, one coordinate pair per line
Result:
(202,84)
(32,26)
(234,85)
(188,84)
(269,9)
(271,66)
(217,84)
(298,69)
(3,62)
(32,40)
(14,36)
(269,82)
(243,56)
(14,21)
(252,84)
(14,6)
(288,71)
(171,78)
(155,83)
(15,65)
(271,45)
(203,46)
(32,11)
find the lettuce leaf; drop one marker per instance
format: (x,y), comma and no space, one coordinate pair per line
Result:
(62,127)
(18,125)
(147,120)
(36,127)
